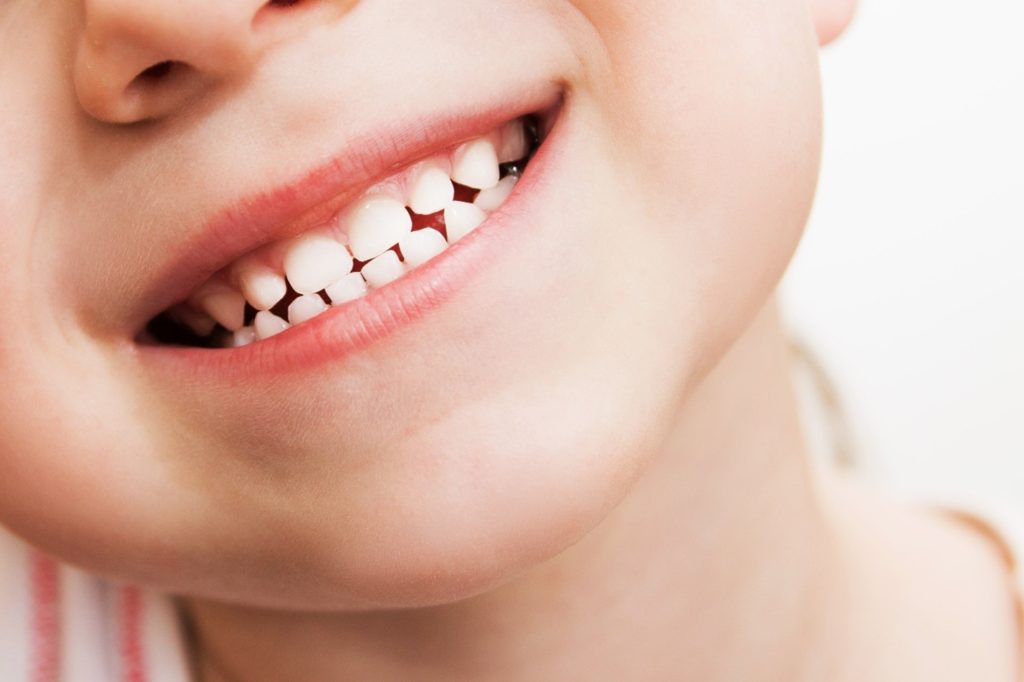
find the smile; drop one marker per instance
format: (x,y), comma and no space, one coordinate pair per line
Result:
(396,226)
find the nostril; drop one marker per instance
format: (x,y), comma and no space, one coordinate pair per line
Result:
(153,91)
(277,20)
(155,73)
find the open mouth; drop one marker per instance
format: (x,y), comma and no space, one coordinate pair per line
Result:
(394,227)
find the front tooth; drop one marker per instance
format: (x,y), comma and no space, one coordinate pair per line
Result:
(243,337)
(375,225)
(348,288)
(461,218)
(314,261)
(383,269)
(475,164)
(430,190)
(514,145)
(305,308)
(491,199)
(420,246)
(268,324)
(261,286)
(224,304)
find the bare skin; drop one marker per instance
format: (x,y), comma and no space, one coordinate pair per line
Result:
(663,589)
(579,458)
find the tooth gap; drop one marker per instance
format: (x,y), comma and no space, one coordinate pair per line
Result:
(281,308)
(465,194)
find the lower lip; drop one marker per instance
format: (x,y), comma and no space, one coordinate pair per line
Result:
(347,329)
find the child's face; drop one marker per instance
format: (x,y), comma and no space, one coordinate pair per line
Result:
(452,428)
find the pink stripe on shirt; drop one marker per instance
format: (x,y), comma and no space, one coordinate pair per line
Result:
(130,618)
(45,618)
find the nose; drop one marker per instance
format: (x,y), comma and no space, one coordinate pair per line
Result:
(146,59)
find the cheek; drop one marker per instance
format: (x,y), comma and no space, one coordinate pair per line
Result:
(717,110)
(74,462)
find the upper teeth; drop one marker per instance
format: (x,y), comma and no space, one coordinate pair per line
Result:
(513,143)
(262,286)
(319,264)
(223,303)
(475,164)
(375,225)
(313,262)
(431,189)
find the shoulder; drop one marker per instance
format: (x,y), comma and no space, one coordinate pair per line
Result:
(934,581)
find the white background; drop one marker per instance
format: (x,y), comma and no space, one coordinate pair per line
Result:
(910,281)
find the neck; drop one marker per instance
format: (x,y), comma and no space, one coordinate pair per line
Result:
(714,567)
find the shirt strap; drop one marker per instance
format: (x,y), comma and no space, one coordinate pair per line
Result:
(1004,531)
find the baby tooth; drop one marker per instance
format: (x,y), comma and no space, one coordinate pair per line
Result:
(430,190)
(375,225)
(305,308)
(420,246)
(383,269)
(513,142)
(200,323)
(224,304)
(475,164)
(262,287)
(315,261)
(490,199)
(243,337)
(461,218)
(268,324)
(348,288)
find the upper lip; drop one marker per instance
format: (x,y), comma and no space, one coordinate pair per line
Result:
(316,195)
